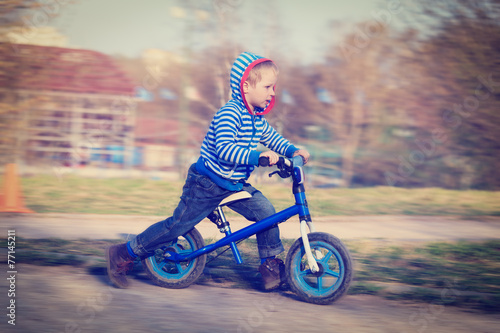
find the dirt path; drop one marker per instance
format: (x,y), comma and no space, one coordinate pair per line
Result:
(65,299)
(404,228)
(69,299)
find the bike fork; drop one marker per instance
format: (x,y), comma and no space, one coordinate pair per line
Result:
(307,247)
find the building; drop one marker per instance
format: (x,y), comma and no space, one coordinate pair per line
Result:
(166,144)
(58,104)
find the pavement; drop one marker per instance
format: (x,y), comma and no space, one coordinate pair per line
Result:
(388,227)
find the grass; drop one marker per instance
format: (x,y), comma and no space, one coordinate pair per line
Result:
(48,194)
(445,273)
(71,194)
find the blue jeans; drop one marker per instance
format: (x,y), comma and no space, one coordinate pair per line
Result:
(200,196)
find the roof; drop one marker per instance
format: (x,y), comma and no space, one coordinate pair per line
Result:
(34,67)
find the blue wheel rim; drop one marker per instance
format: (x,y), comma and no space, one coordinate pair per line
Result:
(175,270)
(333,270)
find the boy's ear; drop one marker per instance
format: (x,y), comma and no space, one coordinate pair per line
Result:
(245,87)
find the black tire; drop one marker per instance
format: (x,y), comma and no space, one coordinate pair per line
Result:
(334,277)
(181,275)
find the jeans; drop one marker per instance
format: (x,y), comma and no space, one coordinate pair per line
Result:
(200,196)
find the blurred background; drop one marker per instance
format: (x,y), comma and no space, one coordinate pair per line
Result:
(393,93)
(397,100)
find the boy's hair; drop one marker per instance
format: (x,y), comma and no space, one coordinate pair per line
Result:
(255,74)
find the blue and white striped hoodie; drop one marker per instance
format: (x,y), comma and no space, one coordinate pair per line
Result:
(228,152)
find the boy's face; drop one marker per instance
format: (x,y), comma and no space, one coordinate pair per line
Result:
(262,93)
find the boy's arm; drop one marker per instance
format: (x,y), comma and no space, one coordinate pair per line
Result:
(273,157)
(274,141)
(227,123)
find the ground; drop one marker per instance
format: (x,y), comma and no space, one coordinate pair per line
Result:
(74,299)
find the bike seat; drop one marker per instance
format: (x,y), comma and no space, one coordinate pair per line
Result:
(235,197)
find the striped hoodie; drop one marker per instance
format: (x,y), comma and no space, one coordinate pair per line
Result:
(228,152)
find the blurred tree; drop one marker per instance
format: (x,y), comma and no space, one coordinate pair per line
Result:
(11,124)
(461,62)
(367,94)
(12,11)
(211,69)
(418,105)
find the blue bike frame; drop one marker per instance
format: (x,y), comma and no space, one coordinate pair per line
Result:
(300,208)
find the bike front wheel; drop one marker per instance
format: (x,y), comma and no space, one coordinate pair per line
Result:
(335,269)
(176,275)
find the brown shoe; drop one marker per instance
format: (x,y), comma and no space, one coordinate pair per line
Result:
(273,273)
(119,263)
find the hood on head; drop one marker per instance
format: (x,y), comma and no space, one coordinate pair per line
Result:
(239,73)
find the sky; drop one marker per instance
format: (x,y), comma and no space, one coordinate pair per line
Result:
(127,27)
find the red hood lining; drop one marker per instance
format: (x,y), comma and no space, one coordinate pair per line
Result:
(244,78)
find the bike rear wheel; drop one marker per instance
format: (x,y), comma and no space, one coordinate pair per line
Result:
(335,274)
(169,274)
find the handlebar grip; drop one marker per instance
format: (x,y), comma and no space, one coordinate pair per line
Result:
(264,161)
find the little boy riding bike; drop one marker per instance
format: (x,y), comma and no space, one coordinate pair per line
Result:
(228,157)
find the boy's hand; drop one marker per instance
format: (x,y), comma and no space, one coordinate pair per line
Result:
(271,155)
(304,153)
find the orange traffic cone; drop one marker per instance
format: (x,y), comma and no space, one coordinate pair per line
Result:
(11,201)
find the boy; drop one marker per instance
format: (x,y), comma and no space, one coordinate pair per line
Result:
(228,156)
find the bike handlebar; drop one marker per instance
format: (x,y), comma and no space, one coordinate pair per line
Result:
(287,167)
(296,161)
(263,161)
